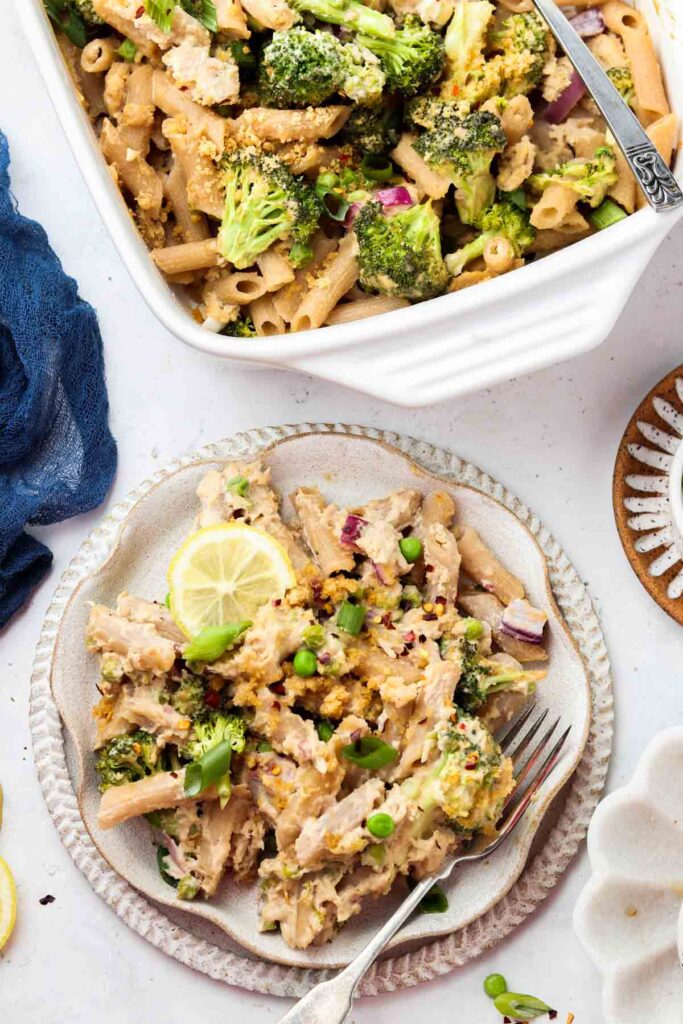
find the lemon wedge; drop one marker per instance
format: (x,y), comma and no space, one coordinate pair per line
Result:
(224,574)
(8,902)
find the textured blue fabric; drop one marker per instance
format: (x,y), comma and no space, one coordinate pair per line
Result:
(57,456)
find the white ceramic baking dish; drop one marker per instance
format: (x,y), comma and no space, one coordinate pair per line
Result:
(544,313)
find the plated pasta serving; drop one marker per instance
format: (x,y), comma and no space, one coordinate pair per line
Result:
(315,703)
(293,164)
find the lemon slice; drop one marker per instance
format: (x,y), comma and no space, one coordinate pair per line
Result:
(8,902)
(224,574)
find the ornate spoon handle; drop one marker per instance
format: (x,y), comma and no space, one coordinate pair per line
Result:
(661,189)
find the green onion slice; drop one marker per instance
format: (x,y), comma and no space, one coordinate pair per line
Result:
(214,641)
(325,730)
(435,902)
(162,853)
(67,21)
(212,768)
(370,752)
(351,617)
(334,204)
(606,214)
(520,1007)
(238,485)
(377,167)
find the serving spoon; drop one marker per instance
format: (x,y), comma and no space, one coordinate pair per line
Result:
(661,189)
(330,1001)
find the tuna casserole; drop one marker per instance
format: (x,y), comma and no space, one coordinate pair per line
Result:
(297,164)
(342,736)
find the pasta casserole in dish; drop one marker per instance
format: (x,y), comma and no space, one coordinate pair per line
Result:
(311,162)
(315,703)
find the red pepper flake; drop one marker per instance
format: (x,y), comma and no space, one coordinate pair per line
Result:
(386,621)
(430,616)
(429,568)
(277,602)
(506,1020)
(470,766)
(404,653)
(552,1014)
(212,698)
(344,158)
(278,688)
(174,775)
(409,637)
(440,600)
(276,705)
(140,11)
(462,727)
(46,899)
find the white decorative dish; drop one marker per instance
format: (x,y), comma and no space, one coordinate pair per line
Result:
(676,486)
(122,546)
(544,313)
(630,915)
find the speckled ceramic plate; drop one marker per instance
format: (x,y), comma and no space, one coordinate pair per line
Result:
(132,549)
(630,915)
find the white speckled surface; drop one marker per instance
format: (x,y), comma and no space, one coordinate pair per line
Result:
(551,437)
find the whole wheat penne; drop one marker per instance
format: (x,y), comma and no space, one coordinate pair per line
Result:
(231,19)
(192,224)
(273,14)
(289,298)
(141,180)
(336,277)
(408,159)
(137,117)
(267,320)
(628,23)
(290,125)
(239,287)
(110,12)
(174,102)
(276,270)
(98,55)
(554,206)
(483,567)
(371,305)
(175,259)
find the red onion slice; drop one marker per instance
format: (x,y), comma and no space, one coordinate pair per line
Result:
(352,529)
(523,622)
(397,195)
(588,23)
(557,111)
(380,574)
(351,214)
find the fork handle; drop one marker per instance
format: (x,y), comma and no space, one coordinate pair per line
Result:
(330,1001)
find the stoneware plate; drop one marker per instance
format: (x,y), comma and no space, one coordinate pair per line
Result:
(132,550)
(630,915)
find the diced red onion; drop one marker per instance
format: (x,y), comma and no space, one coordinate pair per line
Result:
(380,574)
(588,23)
(351,214)
(522,621)
(557,111)
(176,854)
(352,529)
(325,658)
(397,195)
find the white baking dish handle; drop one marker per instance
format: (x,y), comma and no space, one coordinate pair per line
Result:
(496,338)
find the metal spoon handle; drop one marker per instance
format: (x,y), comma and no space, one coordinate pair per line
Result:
(661,189)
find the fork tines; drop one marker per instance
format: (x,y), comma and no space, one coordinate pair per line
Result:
(528,770)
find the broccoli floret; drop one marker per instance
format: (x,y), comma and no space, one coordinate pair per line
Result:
(166,821)
(350,13)
(622,80)
(188,887)
(263,204)
(592,179)
(242,327)
(412,58)
(217,729)
(503,220)
(480,678)
(463,151)
(373,129)
(522,43)
(401,255)
(87,11)
(465,42)
(471,780)
(188,699)
(127,759)
(301,68)
(433,113)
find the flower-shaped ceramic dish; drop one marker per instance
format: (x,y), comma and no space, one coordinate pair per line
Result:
(630,915)
(349,470)
(551,310)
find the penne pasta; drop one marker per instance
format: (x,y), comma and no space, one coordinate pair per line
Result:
(288,299)
(290,125)
(176,259)
(274,14)
(110,12)
(276,270)
(554,206)
(359,309)
(231,19)
(630,25)
(98,55)
(173,102)
(192,224)
(239,287)
(428,180)
(336,277)
(141,180)
(267,320)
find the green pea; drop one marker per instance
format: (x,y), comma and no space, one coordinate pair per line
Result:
(495,985)
(473,629)
(305,663)
(314,636)
(520,1007)
(411,548)
(380,825)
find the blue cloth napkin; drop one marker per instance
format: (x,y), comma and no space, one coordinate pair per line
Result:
(57,456)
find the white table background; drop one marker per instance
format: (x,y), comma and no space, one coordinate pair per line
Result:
(551,438)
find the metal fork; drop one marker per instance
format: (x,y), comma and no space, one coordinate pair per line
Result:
(661,189)
(330,1001)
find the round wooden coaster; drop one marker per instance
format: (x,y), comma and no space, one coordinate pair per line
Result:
(640,493)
